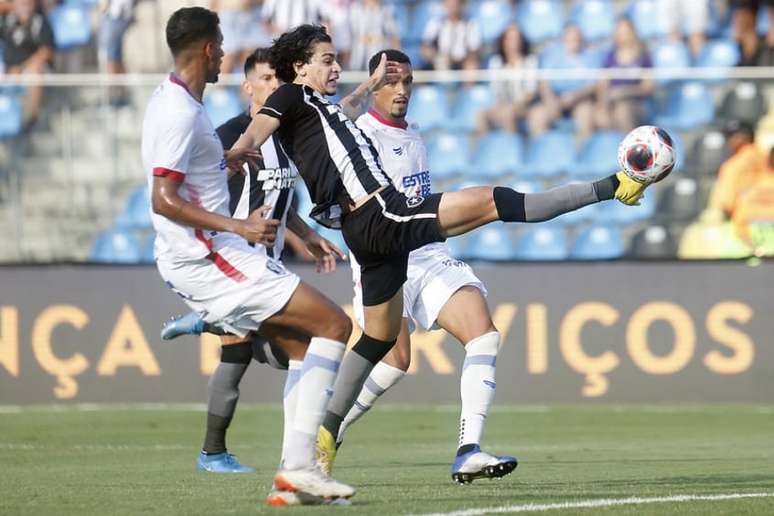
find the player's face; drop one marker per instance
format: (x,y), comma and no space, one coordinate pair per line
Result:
(393,99)
(213,50)
(260,83)
(322,71)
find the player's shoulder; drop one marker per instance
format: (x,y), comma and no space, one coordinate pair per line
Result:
(230,130)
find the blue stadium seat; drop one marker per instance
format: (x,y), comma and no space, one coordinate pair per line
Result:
(598,156)
(468,103)
(222,104)
(491,243)
(670,54)
(540,20)
(762,26)
(614,212)
(723,53)
(599,242)
(458,246)
(646,19)
(71,26)
(147,249)
(549,154)
(136,215)
(448,154)
(424,11)
(11,113)
(498,154)
(116,246)
(429,107)
(547,242)
(595,18)
(524,186)
(492,16)
(688,105)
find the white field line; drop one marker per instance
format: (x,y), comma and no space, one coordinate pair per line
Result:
(602,502)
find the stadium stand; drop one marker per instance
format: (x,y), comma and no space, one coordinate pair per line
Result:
(598,242)
(547,243)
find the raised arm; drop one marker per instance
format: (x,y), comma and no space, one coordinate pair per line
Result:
(386,72)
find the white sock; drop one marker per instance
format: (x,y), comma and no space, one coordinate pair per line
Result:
(381,379)
(289,402)
(318,372)
(477,385)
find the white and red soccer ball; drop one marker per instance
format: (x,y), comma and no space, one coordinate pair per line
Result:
(647,154)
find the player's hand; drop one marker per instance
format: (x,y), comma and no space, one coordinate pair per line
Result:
(257,228)
(324,252)
(236,159)
(386,72)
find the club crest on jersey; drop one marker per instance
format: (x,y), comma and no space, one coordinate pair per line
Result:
(413,202)
(398,151)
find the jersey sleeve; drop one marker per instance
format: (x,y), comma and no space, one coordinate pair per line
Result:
(283,103)
(173,148)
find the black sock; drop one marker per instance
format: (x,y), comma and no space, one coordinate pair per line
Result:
(215,437)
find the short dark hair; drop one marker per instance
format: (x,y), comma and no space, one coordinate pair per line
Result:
(296,45)
(190,24)
(261,55)
(392,55)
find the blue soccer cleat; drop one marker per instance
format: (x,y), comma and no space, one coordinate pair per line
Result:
(479,464)
(221,463)
(188,324)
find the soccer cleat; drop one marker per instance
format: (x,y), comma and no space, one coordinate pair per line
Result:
(479,464)
(629,191)
(311,481)
(278,498)
(188,324)
(221,463)
(326,450)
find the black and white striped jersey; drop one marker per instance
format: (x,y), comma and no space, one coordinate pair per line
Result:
(337,161)
(270,183)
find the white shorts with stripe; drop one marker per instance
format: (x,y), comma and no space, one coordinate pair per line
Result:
(236,287)
(433,278)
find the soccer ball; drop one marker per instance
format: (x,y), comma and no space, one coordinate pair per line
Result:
(647,154)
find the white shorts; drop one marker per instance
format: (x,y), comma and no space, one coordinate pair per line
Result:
(236,288)
(433,277)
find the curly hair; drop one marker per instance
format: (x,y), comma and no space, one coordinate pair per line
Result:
(294,46)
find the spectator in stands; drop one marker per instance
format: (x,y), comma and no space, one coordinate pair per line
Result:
(5,7)
(373,28)
(337,18)
(282,15)
(451,41)
(620,101)
(117,16)
(29,48)
(753,217)
(738,173)
(565,97)
(689,18)
(744,24)
(514,96)
(243,28)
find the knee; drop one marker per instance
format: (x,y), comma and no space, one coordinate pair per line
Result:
(338,326)
(401,359)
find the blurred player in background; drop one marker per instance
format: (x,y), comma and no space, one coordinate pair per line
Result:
(204,255)
(380,224)
(440,291)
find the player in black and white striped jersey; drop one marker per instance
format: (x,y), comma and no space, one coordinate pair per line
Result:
(381,225)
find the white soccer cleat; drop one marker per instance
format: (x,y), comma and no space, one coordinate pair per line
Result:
(480,464)
(313,482)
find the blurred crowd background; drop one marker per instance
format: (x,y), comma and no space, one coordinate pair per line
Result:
(516,109)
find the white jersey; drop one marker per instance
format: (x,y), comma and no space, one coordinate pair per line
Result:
(433,276)
(178,141)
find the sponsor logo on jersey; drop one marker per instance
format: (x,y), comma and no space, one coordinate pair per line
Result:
(420,182)
(413,202)
(398,151)
(274,266)
(277,178)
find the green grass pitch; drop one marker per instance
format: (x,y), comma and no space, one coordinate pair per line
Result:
(132,459)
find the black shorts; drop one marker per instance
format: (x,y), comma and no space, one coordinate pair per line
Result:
(383,232)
